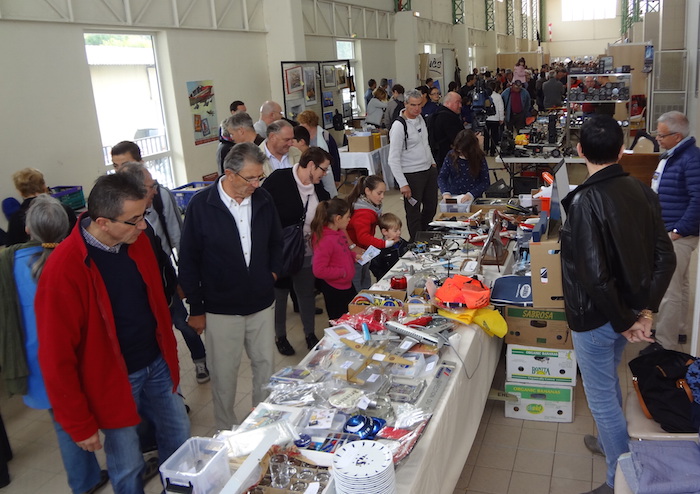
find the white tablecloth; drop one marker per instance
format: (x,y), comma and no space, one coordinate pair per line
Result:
(375,162)
(436,463)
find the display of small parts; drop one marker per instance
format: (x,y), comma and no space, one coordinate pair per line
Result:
(611,91)
(374,299)
(364,426)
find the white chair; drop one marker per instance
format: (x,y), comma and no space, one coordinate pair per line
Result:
(641,428)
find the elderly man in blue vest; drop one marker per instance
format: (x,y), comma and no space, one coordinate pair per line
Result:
(677,181)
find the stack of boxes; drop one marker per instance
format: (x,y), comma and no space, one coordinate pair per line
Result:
(540,360)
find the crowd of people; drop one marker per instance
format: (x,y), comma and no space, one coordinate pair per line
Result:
(89,303)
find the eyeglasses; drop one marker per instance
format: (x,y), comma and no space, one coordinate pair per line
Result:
(325,170)
(661,136)
(132,222)
(153,186)
(256,180)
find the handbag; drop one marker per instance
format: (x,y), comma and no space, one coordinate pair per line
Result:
(659,378)
(293,246)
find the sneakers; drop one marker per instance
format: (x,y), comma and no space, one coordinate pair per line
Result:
(201,371)
(311,341)
(592,445)
(104,478)
(284,347)
(151,470)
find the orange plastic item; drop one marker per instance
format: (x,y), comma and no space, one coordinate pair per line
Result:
(465,290)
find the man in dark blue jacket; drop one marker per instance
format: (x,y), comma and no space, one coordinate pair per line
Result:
(230,254)
(677,181)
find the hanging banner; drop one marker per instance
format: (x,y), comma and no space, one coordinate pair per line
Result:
(435,70)
(203,109)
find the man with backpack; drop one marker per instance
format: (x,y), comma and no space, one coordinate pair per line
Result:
(413,165)
(617,261)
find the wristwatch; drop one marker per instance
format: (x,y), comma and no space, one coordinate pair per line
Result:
(352,246)
(675,230)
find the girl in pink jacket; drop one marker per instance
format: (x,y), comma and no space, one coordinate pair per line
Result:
(333,261)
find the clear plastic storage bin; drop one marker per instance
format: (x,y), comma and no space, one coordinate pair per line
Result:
(199,466)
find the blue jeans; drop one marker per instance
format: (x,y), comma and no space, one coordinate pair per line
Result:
(193,341)
(81,466)
(152,389)
(599,353)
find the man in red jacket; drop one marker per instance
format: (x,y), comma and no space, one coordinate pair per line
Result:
(106,346)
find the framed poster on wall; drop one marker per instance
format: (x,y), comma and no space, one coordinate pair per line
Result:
(328,120)
(329,76)
(310,85)
(293,77)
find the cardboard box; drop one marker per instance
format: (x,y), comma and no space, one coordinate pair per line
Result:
(545,264)
(540,365)
(544,403)
(397,294)
(360,144)
(533,326)
(487,203)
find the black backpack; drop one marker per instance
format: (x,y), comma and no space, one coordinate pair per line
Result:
(397,111)
(659,379)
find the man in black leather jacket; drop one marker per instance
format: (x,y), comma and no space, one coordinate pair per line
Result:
(617,261)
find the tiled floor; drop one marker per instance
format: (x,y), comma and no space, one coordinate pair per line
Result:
(508,456)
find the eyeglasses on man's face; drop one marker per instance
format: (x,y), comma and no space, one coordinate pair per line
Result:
(663,136)
(135,221)
(253,180)
(324,170)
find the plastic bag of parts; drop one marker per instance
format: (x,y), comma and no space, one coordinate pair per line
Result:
(402,440)
(374,317)
(297,394)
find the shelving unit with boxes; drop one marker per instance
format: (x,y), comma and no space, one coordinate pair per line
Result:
(612,95)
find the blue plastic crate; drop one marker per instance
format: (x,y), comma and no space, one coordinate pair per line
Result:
(185,193)
(70,195)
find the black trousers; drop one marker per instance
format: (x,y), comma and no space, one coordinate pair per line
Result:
(492,136)
(336,300)
(424,189)
(516,122)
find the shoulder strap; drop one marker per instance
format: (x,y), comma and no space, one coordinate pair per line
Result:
(306,208)
(405,131)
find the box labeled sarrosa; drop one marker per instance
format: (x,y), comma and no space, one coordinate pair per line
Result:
(543,403)
(534,326)
(540,365)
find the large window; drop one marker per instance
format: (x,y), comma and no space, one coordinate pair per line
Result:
(588,10)
(128,100)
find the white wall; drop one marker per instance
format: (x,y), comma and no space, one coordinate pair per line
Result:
(227,59)
(572,39)
(48,113)
(50,120)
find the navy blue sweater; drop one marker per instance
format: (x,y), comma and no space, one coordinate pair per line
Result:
(212,269)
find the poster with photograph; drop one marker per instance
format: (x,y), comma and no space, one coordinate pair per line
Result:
(329,76)
(327,98)
(295,108)
(293,77)
(347,110)
(328,120)
(310,85)
(203,110)
(341,76)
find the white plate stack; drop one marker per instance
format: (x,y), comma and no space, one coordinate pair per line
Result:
(364,467)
